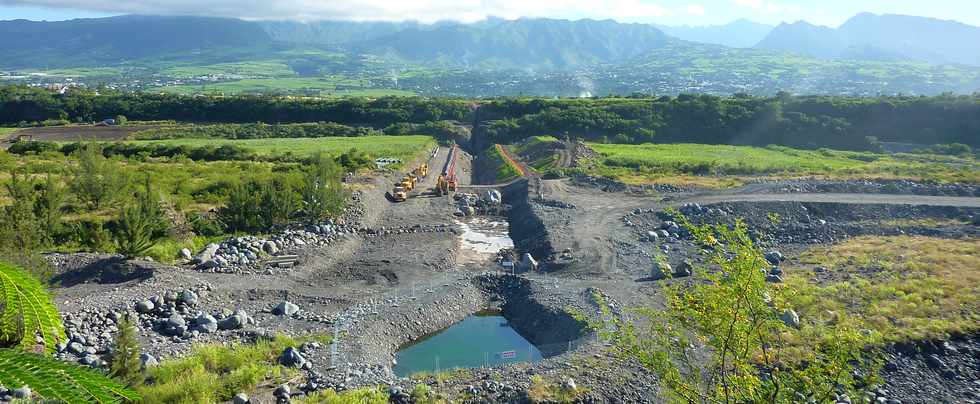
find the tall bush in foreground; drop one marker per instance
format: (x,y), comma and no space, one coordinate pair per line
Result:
(723,341)
(323,194)
(30,327)
(125,360)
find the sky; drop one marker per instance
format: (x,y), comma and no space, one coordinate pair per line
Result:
(670,12)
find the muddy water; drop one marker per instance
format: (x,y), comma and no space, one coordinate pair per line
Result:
(481,239)
(480,340)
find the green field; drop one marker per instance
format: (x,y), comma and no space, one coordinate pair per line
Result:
(722,165)
(6,131)
(400,147)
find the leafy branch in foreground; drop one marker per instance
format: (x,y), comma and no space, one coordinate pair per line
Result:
(54,379)
(722,340)
(27,314)
(29,321)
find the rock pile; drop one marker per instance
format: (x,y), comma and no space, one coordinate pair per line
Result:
(246,254)
(469,204)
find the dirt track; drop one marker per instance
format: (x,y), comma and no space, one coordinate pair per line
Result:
(81,132)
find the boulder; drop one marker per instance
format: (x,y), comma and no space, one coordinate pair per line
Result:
(205,323)
(292,358)
(774,257)
(76,348)
(207,254)
(660,271)
(773,278)
(188,297)
(686,268)
(282,392)
(23,392)
(233,322)
(790,318)
(145,307)
(569,385)
(147,360)
(240,398)
(285,309)
(185,254)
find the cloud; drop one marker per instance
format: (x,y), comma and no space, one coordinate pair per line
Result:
(696,9)
(371,10)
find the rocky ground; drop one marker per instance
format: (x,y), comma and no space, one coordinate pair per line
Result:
(387,274)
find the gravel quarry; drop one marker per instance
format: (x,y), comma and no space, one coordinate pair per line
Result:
(386,275)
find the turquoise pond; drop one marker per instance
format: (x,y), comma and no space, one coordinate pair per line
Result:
(479,340)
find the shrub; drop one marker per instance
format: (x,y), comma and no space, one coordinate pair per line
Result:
(125,358)
(720,340)
(96,180)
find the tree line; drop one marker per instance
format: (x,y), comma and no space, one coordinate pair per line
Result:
(803,122)
(799,121)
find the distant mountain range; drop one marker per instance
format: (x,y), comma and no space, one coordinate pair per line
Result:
(525,43)
(890,37)
(107,41)
(494,56)
(740,33)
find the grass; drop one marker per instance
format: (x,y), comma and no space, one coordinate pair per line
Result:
(901,288)
(720,166)
(356,396)
(537,152)
(215,373)
(505,169)
(6,131)
(542,391)
(400,147)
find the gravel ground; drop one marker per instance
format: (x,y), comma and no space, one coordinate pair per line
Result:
(396,278)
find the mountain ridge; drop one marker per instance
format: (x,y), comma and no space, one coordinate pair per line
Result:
(871,36)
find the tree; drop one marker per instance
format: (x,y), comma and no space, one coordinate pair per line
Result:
(723,341)
(125,360)
(139,224)
(47,208)
(97,181)
(30,327)
(121,119)
(323,193)
(242,210)
(20,228)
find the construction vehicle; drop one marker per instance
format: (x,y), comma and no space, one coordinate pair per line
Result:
(399,194)
(442,186)
(421,172)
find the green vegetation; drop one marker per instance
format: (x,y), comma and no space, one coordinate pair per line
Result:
(902,288)
(125,359)
(257,131)
(355,396)
(30,328)
(6,131)
(504,169)
(720,341)
(93,216)
(538,152)
(663,162)
(542,391)
(399,147)
(215,373)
